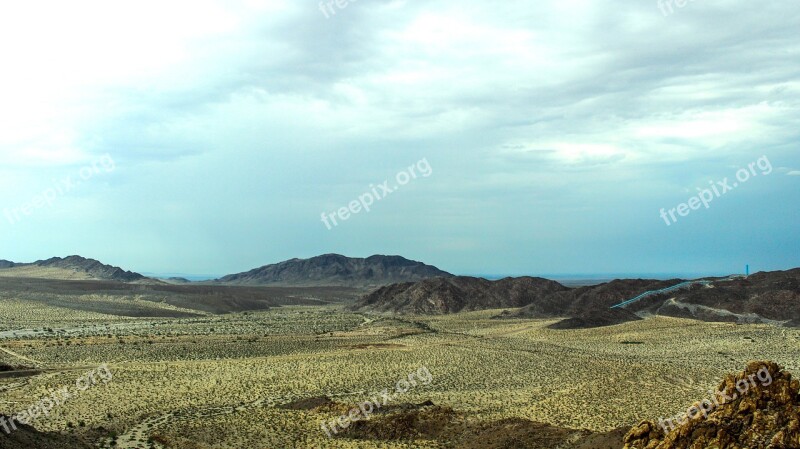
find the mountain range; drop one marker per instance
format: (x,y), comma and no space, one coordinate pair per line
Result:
(329,270)
(767,297)
(394,284)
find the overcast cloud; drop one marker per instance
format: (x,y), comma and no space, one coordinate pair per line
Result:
(556,132)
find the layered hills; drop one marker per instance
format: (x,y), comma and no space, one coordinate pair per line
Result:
(457,294)
(769,297)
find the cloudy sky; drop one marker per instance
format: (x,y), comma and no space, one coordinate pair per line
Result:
(209,137)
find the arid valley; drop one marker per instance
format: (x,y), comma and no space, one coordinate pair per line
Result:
(221,366)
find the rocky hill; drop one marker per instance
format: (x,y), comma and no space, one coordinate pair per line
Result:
(337,270)
(457,294)
(755,409)
(6,263)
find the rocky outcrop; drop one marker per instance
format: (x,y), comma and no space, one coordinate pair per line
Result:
(758,408)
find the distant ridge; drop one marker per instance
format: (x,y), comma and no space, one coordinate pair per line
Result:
(337,270)
(94,268)
(91,268)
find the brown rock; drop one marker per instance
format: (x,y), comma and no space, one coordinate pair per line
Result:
(764,413)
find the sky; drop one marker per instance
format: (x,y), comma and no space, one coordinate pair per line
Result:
(502,138)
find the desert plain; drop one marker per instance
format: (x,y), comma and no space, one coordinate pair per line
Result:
(188,378)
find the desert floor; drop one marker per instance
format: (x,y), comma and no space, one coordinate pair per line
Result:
(218,381)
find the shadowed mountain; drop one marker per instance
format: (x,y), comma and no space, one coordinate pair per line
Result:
(6,263)
(337,270)
(457,294)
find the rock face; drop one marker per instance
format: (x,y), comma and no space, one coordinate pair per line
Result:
(6,264)
(93,267)
(756,409)
(457,294)
(337,270)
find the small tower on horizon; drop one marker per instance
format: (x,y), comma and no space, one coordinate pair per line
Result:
(747,270)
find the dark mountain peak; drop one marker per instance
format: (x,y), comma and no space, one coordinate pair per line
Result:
(323,258)
(337,270)
(6,263)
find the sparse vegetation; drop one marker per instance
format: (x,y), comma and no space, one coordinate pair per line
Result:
(218,380)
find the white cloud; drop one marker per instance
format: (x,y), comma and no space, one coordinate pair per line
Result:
(258,113)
